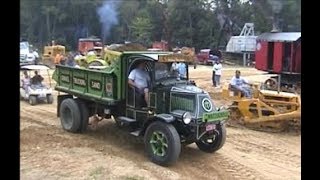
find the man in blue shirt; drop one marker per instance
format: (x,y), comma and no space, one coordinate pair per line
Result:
(182,69)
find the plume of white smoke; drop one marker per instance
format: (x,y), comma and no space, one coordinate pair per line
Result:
(108,16)
(276,9)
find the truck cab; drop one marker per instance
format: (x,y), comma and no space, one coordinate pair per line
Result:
(178,112)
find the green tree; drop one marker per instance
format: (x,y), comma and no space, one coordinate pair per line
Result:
(195,23)
(141,30)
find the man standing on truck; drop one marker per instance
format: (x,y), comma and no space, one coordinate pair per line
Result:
(175,68)
(140,80)
(182,69)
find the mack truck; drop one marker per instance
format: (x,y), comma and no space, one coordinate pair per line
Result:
(178,112)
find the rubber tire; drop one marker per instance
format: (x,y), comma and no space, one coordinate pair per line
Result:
(174,144)
(210,148)
(75,120)
(95,63)
(84,115)
(49,99)
(32,100)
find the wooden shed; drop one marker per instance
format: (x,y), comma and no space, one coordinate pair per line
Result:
(279,52)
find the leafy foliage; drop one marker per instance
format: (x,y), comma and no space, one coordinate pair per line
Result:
(194,23)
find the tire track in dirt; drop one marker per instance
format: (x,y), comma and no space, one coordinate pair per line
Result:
(236,169)
(107,135)
(35,136)
(270,152)
(126,146)
(249,143)
(41,118)
(213,166)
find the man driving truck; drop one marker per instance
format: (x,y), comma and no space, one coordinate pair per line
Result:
(139,79)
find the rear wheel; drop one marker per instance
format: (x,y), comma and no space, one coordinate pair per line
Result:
(84,115)
(212,143)
(33,100)
(70,115)
(162,143)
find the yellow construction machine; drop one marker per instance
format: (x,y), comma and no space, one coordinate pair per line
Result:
(267,110)
(50,52)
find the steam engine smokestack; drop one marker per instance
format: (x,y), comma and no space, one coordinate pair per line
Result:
(275,23)
(108,16)
(276,9)
(102,50)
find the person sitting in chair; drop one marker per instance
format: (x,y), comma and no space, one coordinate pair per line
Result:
(240,84)
(140,80)
(36,79)
(25,81)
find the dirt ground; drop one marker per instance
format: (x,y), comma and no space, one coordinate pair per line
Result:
(48,152)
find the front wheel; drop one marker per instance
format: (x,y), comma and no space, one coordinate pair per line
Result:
(162,143)
(32,100)
(213,142)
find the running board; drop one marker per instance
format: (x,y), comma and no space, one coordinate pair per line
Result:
(136,133)
(126,120)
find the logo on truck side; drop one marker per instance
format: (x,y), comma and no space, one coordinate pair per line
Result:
(79,81)
(65,78)
(207,105)
(95,84)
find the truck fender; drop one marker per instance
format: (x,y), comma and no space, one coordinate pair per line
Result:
(167,118)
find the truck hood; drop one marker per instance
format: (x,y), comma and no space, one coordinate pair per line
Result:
(187,89)
(24,51)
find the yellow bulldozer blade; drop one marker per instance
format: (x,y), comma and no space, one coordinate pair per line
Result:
(267,110)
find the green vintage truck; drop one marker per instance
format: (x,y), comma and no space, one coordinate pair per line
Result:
(179,113)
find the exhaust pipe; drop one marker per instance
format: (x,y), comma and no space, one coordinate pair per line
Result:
(276,9)
(102,50)
(275,23)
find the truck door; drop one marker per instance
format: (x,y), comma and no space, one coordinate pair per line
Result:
(270,55)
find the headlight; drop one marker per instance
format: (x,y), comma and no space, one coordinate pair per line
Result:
(186,117)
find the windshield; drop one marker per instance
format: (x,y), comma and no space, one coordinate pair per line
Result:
(170,70)
(23,46)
